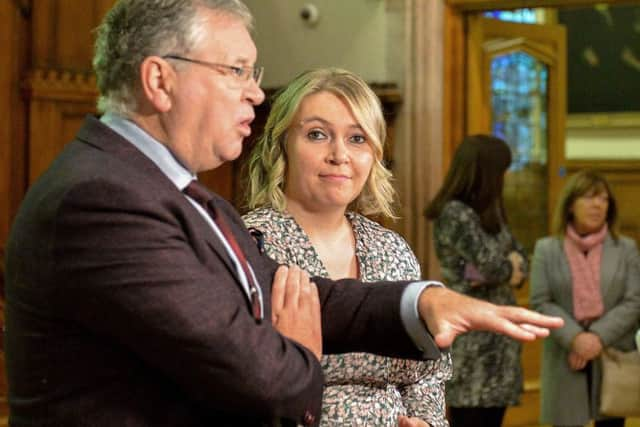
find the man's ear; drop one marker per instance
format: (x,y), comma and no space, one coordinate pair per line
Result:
(157,80)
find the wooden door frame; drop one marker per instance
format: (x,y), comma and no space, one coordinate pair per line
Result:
(454,48)
(547,43)
(478,5)
(453,78)
(435,98)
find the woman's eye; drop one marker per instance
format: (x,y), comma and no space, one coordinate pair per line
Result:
(316,135)
(358,139)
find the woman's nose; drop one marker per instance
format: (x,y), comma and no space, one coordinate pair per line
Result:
(338,153)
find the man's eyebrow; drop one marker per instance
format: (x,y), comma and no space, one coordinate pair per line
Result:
(244,61)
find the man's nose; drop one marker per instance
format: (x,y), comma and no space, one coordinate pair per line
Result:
(254,93)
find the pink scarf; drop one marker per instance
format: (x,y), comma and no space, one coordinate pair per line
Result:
(585,271)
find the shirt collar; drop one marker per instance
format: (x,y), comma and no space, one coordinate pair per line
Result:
(150,147)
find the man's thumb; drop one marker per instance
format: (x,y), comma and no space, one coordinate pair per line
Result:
(444,338)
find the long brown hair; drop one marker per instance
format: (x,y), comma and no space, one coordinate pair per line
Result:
(476,178)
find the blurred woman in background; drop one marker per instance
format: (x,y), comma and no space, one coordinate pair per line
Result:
(479,256)
(589,275)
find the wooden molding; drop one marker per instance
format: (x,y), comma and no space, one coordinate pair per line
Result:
(476,5)
(1,271)
(603,120)
(604,166)
(58,101)
(57,85)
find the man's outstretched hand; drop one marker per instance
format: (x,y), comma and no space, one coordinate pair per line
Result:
(448,314)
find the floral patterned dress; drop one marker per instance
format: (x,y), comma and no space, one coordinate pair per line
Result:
(487,370)
(363,389)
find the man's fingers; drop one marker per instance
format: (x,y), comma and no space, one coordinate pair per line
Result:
(510,329)
(305,285)
(522,316)
(444,338)
(448,314)
(536,330)
(292,292)
(524,325)
(278,289)
(315,296)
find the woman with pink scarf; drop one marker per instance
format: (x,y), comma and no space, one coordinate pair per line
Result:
(590,276)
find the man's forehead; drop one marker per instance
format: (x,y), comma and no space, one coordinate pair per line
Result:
(227,37)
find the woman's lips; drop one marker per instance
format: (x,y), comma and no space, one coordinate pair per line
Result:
(334,177)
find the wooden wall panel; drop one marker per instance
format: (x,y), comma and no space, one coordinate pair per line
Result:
(14,27)
(14,39)
(63,33)
(58,102)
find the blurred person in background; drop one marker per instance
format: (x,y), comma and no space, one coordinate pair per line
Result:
(479,257)
(588,274)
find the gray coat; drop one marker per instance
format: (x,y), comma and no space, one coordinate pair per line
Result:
(565,398)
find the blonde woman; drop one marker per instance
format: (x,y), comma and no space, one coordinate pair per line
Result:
(313,175)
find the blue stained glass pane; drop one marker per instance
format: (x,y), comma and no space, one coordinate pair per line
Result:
(524,16)
(519,98)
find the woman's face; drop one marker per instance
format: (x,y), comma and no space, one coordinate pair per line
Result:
(590,211)
(329,156)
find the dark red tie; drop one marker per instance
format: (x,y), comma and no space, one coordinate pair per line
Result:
(201,195)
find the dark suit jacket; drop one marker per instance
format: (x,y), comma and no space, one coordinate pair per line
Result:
(123,310)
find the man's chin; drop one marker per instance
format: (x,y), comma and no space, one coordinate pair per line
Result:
(232,155)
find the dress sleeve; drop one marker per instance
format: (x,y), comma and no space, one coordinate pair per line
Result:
(516,246)
(421,383)
(268,222)
(458,229)
(426,400)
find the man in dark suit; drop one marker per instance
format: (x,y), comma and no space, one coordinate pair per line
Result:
(131,303)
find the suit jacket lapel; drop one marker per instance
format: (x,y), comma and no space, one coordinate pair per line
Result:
(206,232)
(99,135)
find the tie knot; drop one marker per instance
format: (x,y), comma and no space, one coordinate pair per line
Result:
(198,192)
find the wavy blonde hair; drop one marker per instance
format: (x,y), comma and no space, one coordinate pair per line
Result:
(267,164)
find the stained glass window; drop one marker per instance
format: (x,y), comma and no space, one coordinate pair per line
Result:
(524,16)
(519,96)
(518,101)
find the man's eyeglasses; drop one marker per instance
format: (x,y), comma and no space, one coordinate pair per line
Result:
(240,73)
